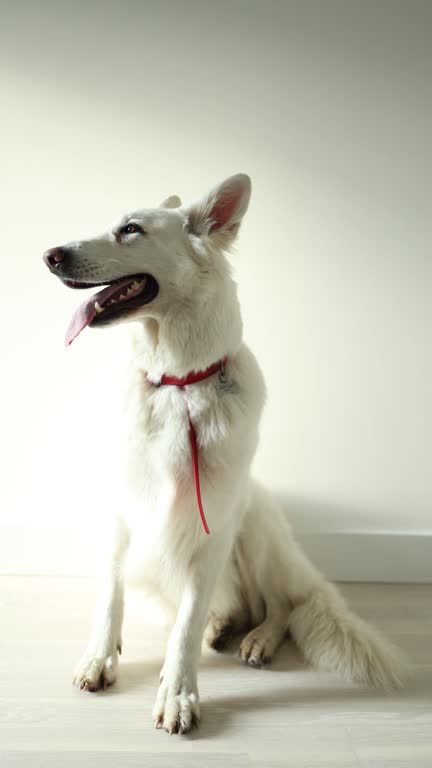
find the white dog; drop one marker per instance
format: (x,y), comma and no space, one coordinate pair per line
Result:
(193,411)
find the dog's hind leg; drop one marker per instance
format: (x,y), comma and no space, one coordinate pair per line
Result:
(221,629)
(261,643)
(236,605)
(98,666)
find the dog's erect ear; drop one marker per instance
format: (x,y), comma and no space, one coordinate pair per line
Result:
(173,201)
(219,214)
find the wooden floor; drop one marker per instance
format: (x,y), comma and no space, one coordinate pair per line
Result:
(288,715)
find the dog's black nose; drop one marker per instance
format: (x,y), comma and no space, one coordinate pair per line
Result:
(53,257)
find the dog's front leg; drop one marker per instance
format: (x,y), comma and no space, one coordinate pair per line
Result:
(177,702)
(97,667)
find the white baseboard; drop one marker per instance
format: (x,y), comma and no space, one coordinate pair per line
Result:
(341,556)
(371,556)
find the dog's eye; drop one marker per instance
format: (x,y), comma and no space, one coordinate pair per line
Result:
(131,229)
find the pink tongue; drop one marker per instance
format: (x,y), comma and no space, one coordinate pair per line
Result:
(86,312)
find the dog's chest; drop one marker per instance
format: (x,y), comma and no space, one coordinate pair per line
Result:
(159,440)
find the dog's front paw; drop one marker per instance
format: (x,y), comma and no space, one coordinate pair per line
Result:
(96,672)
(177,707)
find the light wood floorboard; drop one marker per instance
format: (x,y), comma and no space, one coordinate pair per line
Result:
(288,715)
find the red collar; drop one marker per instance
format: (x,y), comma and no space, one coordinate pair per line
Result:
(193,377)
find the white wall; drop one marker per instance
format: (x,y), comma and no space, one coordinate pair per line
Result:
(327,106)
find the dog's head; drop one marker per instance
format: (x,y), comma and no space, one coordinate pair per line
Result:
(155,261)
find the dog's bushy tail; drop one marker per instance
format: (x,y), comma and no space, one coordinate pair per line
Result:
(327,632)
(332,637)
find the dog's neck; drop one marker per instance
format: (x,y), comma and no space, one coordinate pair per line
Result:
(189,340)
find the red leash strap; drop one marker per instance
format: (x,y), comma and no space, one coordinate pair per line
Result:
(194,450)
(193,378)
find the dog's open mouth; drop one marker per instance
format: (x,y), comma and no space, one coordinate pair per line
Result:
(115,299)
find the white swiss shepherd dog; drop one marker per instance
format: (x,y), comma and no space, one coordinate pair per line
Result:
(166,269)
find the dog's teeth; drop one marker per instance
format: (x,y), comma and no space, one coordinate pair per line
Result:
(98,307)
(137,284)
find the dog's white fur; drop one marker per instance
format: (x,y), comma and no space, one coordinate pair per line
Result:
(249,574)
